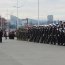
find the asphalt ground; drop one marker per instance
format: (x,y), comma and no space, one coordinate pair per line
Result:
(16,52)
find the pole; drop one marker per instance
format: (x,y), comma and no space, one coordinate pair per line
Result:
(38,12)
(8,21)
(17,16)
(1,23)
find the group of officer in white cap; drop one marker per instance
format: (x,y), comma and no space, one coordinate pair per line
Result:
(51,34)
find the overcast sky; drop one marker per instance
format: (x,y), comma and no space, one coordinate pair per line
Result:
(29,8)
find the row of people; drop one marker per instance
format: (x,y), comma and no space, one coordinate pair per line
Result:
(44,34)
(4,34)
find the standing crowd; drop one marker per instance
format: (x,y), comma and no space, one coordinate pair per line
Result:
(43,34)
(11,35)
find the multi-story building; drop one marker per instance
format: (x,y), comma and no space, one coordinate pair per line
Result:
(3,23)
(50,19)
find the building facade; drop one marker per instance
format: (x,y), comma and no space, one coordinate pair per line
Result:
(3,23)
(50,19)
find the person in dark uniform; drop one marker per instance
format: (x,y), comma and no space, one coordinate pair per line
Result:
(1,33)
(53,36)
(61,37)
(11,35)
(5,35)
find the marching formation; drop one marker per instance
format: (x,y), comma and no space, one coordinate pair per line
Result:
(43,34)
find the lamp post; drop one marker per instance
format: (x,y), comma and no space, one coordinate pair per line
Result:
(1,23)
(8,20)
(17,16)
(17,6)
(38,12)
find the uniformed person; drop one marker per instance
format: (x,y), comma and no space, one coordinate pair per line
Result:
(5,35)
(1,33)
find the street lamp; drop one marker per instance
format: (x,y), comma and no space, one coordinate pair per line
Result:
(8,20)
(38,12)
(17,6)
(1,22)
(17,16)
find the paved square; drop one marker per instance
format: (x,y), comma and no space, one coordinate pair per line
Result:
(13,52)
